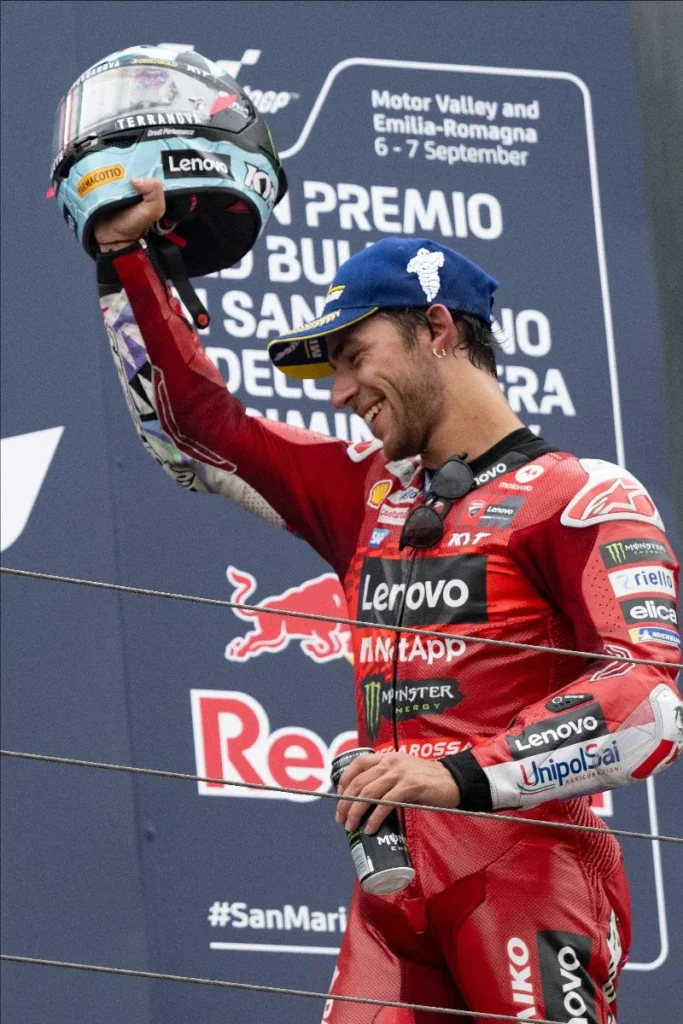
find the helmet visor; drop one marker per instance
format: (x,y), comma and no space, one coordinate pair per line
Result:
(137,95)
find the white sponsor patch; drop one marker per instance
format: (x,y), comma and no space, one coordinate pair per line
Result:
(528,473)
(655,635)
(393,516)
(615,954)
(643,579)
(431,651)
(404,469)
(521,979)
(610,494)
(405,497)
(465,539)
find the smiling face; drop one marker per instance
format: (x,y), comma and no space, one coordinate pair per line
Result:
(396,388)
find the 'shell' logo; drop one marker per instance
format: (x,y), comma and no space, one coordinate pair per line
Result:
(320,641)
(232,740)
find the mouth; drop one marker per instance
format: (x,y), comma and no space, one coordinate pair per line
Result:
(374,411)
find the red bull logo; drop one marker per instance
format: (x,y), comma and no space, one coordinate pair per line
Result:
(233,740)
(320,641)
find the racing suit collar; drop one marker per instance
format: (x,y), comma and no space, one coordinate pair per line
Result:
(518,440)
(515,441)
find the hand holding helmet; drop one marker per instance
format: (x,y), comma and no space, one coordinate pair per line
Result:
(124,227)
(166,112)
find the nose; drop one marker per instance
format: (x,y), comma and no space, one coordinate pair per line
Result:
(343,389)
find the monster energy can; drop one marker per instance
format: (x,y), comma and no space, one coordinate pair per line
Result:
(382,860)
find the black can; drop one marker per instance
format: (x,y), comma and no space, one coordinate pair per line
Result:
(382,860)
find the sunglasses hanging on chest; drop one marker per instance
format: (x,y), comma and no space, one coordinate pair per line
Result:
(425,527)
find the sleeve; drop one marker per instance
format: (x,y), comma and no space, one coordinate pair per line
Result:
(605,563)
(202,435)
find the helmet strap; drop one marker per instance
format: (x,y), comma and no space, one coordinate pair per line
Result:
(172,264)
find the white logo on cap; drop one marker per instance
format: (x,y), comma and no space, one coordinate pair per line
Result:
(426,265)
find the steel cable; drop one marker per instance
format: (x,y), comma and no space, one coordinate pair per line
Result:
(243,986)
(410,630)
(101,969)
(492,815)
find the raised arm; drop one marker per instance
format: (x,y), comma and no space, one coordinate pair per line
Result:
(201,434)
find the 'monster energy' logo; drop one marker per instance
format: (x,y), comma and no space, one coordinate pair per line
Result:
(427,697)
(633,550)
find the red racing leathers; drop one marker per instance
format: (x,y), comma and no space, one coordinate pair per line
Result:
(555,551)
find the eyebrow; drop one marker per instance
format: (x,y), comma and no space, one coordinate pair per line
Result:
(346,340)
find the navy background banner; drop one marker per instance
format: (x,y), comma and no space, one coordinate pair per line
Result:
(506,130)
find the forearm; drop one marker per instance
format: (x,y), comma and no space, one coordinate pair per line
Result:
(279,472)
(599,733)
(134,370)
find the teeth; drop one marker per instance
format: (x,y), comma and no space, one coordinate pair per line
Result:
(371,413)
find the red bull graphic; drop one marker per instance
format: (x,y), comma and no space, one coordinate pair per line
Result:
(320,641)
(232,740)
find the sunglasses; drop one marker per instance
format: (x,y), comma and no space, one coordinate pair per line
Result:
(424,527)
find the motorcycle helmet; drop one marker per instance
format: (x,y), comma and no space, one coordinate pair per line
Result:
(167,112)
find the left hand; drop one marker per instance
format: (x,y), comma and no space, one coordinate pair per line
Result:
(392,776)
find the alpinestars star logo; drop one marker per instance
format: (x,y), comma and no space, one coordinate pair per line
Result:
(426,265)
(619,496)
(610,494)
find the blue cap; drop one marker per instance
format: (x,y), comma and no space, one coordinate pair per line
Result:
(404,273)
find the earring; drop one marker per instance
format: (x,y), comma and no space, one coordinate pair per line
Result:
(439,355)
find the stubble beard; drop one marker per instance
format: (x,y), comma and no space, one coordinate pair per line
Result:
(420,400)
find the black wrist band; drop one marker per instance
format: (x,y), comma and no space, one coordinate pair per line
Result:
(107,278)
(475,791)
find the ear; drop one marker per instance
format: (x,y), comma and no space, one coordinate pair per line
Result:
(445,333)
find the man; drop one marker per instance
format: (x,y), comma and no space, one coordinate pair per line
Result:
(454,518)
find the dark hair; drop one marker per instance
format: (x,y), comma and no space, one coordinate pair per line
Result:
(477,336)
